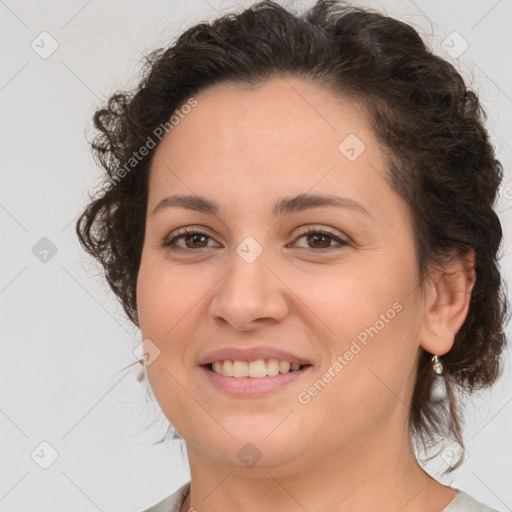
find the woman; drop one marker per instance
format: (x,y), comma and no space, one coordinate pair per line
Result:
(298,215)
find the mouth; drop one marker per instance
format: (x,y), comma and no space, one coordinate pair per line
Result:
(252,379)
(257,369)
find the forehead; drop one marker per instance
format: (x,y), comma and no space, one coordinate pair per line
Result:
(282,136)
(273,114)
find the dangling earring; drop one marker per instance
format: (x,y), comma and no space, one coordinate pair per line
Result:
(437,365)
(142,372)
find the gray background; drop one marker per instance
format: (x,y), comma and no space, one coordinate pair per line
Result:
(65,339)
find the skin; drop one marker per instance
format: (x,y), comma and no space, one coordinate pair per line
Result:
(348,448)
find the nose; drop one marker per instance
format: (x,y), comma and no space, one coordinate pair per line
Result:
(250,295)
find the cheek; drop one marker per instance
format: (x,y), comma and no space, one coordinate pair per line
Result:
(166,307)
(371,342)
(348,299)
(164,295)
(166,314)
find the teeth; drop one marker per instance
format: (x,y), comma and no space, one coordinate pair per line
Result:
(273,367)
(255,369)
(284,366)
(240,369)
(227,369)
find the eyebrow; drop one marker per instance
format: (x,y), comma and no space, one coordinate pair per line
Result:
(283,206)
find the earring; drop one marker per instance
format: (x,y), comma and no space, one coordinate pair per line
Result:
(142,374)
(437,365)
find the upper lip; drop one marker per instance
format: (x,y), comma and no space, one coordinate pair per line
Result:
(251,354)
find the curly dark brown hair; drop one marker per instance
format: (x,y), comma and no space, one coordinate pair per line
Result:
(440,159)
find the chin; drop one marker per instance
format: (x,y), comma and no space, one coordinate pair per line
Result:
(255,446)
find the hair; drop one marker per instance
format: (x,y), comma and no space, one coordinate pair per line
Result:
(430,125)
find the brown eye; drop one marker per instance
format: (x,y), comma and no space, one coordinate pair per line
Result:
(320,241)
(192,240)
(189,239)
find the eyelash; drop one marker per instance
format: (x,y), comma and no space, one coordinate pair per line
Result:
(170,243)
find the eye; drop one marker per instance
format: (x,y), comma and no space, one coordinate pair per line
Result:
(196,239)
(321,239)
(192,238)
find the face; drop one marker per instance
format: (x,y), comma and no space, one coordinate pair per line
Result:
(331,286)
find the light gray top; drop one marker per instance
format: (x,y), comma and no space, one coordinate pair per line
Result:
(461,503)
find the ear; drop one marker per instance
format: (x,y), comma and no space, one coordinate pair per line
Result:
(446,305)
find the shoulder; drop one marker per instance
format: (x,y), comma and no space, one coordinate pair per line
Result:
(465,503)
(173,502)
(462,502)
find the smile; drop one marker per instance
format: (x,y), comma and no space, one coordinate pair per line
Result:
(252,379)
(255,369)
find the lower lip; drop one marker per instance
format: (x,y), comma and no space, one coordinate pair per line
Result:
(250,386)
